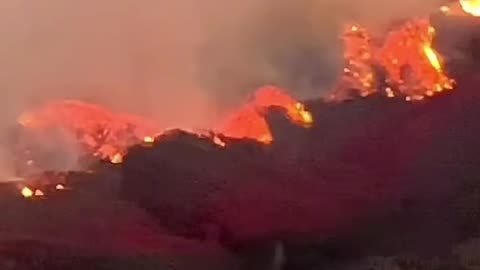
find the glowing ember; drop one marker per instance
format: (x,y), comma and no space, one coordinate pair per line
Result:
(404,63)
(59,187)
(358,55)
(249,121)
(39,193)
(219,141)
(117,158)
(389,92)
(304,116)
(471,7)
(444,9)
(432,57)
(148,139)
(26,192)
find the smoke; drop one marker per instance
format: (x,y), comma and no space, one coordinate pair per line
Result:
(180,62)
(294,44)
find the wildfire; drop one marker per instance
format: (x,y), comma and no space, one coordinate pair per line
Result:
(432,57)
(99,131)
(29,193)
(249,121)
(108,135)
(219,141)
(39,193)
(471,7)
(26,192)
(117,158)
(445,9)
(148,139)
(404,63)
(358,55)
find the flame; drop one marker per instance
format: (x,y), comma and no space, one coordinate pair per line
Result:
(410,65)
(148,139)
(219,141)
(26,192)
(98,130)
(389,92)
(108,135)
(432,57)
(301,115)
(445,9)
(117,158)
(249,121)
(400,64)
(471,7)
(270,96)
(39,193)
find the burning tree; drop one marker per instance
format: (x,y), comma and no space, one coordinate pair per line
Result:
(404,63)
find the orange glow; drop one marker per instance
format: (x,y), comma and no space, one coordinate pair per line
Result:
(219,141)
(445,9)
(411,66)
(249,121)
(432,57)
(389,92)
(117,158)
(98,130)
(303,116)
(26,192)
(39,193)
(358,55)
(59,187)
(148,139)
(471,7)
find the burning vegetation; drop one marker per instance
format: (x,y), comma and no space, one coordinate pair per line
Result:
(402,63)
(329,164)
(98,131)
(471,7)
(249,122)
(107,135)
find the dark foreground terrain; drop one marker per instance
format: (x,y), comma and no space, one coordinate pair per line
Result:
(393,185)
(374,184)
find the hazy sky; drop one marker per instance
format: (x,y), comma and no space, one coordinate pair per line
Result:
(178,60)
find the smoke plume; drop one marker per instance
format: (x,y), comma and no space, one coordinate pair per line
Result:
(180,62)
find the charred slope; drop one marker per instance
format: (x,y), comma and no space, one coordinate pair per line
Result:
(178,177)
(406,170)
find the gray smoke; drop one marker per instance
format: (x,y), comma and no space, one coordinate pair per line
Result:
(181,62)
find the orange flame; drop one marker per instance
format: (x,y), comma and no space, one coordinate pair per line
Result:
(471,7)
(249,121)
(39,193)
(148,139)
(117,158)
(26,192)
(445,9)
(432,57)
(219,141)
(100,131)
(412,67)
